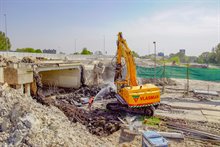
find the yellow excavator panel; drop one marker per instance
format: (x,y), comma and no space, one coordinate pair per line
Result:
(140,96)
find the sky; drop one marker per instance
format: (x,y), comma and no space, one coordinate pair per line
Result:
(193,25)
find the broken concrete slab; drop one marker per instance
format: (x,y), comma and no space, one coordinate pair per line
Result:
(15,76)
(173,135)
(205,92)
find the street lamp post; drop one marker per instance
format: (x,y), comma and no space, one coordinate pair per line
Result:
(155,59)
(75,45)
(104,44)
(6,42)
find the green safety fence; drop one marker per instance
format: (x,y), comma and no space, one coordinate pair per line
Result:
(206,74)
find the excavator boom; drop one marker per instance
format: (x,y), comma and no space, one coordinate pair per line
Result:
(124,51)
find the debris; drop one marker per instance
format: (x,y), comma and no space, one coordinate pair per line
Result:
(173,135)
(28,60)
(122,121)
(4,86)
(84,100)
(152,138)
(98,122)
(193,132)
(26,122)
(214,93)
(6,61)
(77,94)
(98,73)
(4,125)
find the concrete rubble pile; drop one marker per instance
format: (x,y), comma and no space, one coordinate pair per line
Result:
(24,122)
(5,61)
(28,60)
(75,95)
(98,122)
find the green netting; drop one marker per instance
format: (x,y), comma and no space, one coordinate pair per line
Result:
(206,74)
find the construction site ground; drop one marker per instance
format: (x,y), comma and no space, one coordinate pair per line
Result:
(50,120)
(189,106)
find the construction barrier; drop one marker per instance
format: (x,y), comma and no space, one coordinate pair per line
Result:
(205,74)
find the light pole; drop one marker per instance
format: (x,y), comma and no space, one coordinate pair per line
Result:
(104,45)
(75,45)
(155,59)
(6,42)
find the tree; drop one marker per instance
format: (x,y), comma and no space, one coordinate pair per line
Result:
(134,54)
(38,51)
(175,59)
(212,57)
(86,52)
(29,50)
(217,50)
(203,58)
(4,42)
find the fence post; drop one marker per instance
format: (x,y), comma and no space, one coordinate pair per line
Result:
(187,77)
(163,90)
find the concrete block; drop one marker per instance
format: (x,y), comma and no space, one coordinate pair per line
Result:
(13,65)
(18,76)
(68,78)
(89,74)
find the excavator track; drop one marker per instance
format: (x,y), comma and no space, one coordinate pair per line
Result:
(118,107)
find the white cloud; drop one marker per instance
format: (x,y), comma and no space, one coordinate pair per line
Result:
(195,29)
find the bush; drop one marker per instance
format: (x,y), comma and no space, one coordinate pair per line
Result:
(86,52)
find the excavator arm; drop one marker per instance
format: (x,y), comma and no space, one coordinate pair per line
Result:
(124,51)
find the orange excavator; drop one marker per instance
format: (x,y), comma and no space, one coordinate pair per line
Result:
(132,97)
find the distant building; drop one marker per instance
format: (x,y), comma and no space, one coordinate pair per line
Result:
(50,51)
(183,51)
(161,54)
(98,53)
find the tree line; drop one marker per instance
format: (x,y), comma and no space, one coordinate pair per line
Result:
(212,57)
